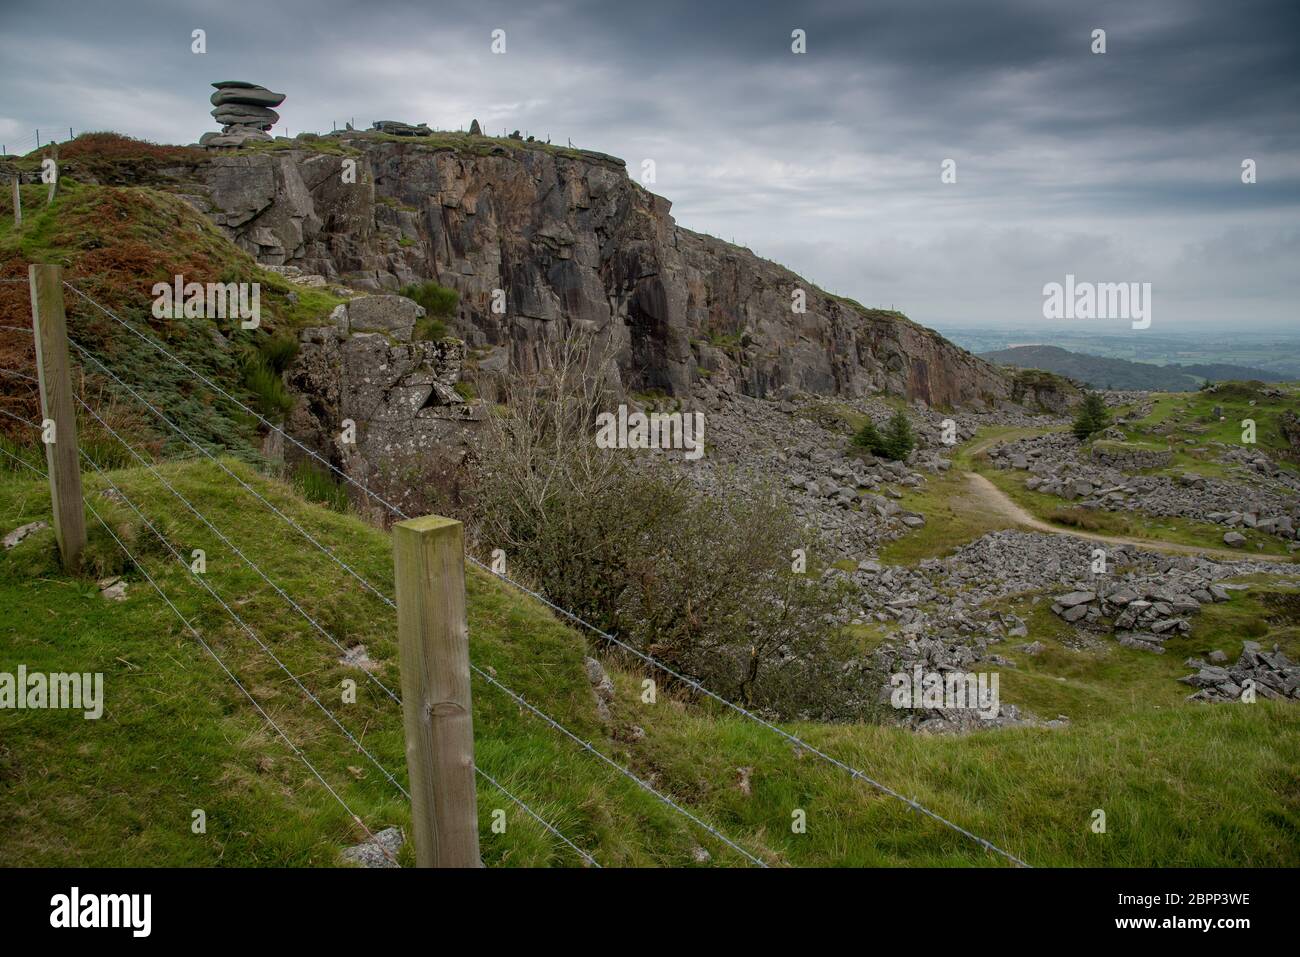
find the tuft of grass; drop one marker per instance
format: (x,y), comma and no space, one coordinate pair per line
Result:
(318,485)
(279,352)
(267,386)
(430,329)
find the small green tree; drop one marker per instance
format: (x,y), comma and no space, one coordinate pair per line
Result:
(1092,417)
(868,437)
(899,439)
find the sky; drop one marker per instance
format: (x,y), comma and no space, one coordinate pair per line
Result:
(1115,167)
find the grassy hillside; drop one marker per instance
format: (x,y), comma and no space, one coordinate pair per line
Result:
(115,243)
(1190,425)
(1181,784)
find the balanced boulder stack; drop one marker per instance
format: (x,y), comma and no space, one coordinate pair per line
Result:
(245,112)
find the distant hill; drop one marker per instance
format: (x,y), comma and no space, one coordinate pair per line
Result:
(1100,373)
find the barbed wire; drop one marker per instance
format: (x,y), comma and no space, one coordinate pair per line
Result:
(483,674)
(477,670)
(248,629)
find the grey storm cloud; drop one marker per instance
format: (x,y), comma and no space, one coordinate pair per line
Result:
(1117,167)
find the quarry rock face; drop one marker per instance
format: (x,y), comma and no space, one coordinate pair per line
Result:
(379,406)
(573,243)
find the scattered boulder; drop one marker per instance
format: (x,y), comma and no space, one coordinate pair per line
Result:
(113,589)
(379,850)
(397,128)
(18,535)
(601,686)
(1270,674)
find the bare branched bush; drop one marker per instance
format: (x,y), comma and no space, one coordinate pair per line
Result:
(703,583)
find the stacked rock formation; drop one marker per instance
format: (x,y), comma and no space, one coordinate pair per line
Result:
(245,112)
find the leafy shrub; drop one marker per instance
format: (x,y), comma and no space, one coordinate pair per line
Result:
(703,584)
(437,300)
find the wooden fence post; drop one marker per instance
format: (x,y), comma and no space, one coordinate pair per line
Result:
(59,425)
(54,183)
(18,204)
(433,643)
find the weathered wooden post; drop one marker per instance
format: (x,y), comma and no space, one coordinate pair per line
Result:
(59,425)
(54,175)
(433,643)
(18,203)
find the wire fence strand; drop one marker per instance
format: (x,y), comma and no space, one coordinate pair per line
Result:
(136,564)
(249,630)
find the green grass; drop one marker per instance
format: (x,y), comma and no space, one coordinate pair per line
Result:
(317,484)
(952,519)
(1190,415)
(177,735)
(1182,784)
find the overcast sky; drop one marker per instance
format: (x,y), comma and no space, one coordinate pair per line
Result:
(1115,167)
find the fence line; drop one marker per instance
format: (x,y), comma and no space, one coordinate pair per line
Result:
(518,698)
(489,778)
(235,548)
(853,772)
(480,672)
(301,611)
(251,633)
(135,563)
(483,674)
(477,670)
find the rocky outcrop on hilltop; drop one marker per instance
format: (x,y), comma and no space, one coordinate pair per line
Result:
(539,240)
(245,112)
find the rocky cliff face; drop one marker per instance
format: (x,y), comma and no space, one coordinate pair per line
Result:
(563,239)
(379,406)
